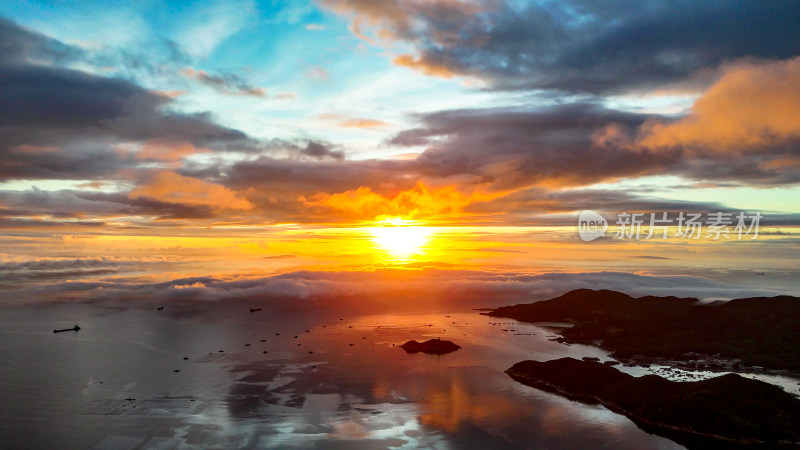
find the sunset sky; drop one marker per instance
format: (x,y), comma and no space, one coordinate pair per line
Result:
(334,150)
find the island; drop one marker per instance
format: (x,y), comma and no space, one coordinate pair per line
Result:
(752,333)
(432,346)
(718,412)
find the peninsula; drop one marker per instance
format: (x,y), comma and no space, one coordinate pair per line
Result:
(753,332)
(726,410)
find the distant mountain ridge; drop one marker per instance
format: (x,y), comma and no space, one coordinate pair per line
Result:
(760,331)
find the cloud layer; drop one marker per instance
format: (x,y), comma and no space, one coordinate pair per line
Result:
(409,289)
(574,46)
(141,157)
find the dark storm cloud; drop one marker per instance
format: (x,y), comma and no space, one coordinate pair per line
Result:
(577,46)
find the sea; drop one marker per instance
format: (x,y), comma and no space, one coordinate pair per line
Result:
(216,375)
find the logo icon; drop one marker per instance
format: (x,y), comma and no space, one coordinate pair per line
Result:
(591,225)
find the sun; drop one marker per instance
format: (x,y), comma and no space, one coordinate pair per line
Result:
(400,237)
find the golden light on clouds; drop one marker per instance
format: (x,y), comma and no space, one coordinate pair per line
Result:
(751,105)
(171,187)
(418,202)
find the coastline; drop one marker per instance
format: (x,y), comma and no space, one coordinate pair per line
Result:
(743,335)
(682,434)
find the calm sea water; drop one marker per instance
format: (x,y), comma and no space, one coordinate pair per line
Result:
(263,380)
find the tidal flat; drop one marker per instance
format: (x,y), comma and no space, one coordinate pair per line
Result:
(214,375)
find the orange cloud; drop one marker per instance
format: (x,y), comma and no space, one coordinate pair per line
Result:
(92,185)
(751,105)
(419,201)
(170,187)
(362,123)
(170,94)
(781,163)
(167,151)
(426,67)
(392,20)
(34,149)
(387,23)
(352,122)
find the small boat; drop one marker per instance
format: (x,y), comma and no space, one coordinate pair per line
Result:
(75,328)
(160,308)
(252,310)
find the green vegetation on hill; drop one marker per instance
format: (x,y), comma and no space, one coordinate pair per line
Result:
(761,331)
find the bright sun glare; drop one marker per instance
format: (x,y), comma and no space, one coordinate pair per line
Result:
(399,237)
